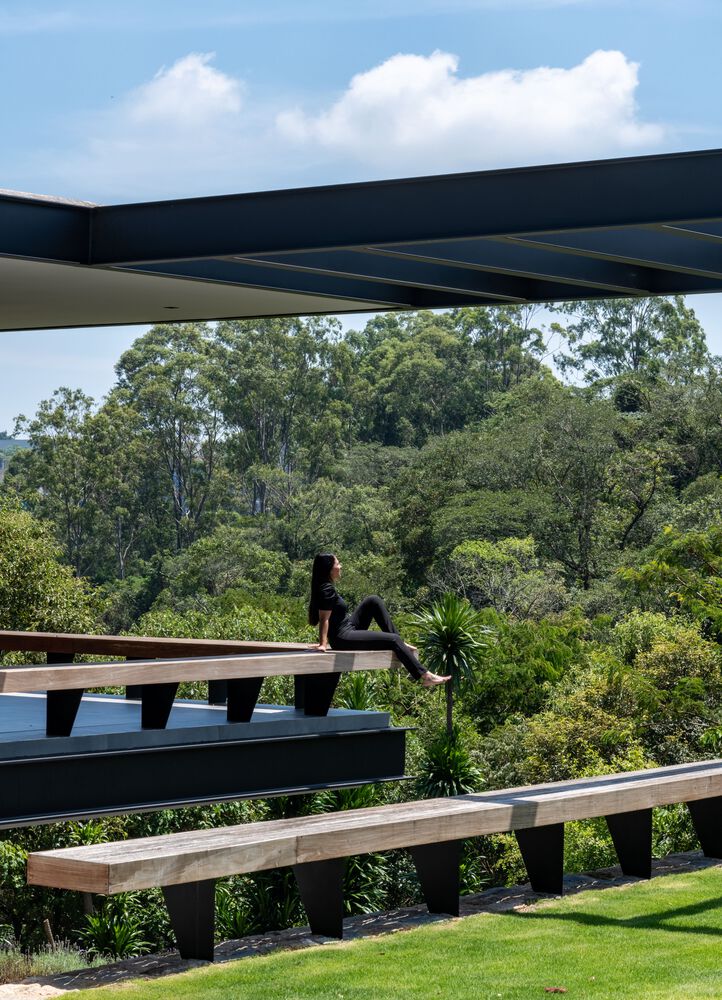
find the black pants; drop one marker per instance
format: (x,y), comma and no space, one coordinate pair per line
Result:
(355,634)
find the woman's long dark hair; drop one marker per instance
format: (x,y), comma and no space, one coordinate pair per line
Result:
(320,574)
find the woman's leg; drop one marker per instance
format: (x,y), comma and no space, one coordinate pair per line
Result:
(361,639)
(370,609)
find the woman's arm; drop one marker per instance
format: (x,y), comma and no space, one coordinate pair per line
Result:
(323,620)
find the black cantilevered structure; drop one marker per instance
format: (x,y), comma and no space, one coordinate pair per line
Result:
(613,228)
(627,227)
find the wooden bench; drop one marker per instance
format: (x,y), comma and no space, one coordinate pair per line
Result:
(225,661)
(158,681)
(186,865)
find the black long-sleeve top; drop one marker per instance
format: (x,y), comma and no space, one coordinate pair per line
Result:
(330,600)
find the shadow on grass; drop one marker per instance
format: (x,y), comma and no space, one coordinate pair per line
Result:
(660,920)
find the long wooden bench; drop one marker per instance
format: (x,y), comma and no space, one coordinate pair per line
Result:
(186,865)
(234,669)
(158,681)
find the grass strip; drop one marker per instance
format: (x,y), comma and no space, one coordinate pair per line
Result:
(647,941)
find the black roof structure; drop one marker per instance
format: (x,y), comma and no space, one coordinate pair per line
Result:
(637,226)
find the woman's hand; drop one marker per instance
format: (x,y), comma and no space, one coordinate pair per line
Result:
(321,647)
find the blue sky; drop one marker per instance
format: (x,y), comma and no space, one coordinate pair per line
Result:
(123,102)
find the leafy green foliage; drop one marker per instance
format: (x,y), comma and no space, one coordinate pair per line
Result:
(684,570)
(114,930)
(448,768)
(37,592)
(453,639)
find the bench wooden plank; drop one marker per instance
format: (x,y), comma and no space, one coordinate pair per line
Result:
(121,673)
(199,855)
(150,647)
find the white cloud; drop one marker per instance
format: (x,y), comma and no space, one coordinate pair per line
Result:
(189,93)
(416,113)
(193,129)
(185,131)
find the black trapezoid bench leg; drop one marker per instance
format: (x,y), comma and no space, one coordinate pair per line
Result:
(242,694)
(707,820)
(437,866)
(314,692)
(61,709)
(542,849)
(134,692)
(320,884)
(217,692)
(156,704)
(192,911)
(632,837)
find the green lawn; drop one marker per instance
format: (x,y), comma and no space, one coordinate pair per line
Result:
(658,939)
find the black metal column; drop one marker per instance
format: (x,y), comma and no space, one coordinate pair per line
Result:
(707,820)
(437,866)
(156,704)
(542,849)
(192,912)
(243,694)
(632,836)
(320,884)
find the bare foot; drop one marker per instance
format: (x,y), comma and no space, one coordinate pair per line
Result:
(430,680)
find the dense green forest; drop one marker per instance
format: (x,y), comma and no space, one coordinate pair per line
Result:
(578,513)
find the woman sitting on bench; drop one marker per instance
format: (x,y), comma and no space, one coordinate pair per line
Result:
(341,630)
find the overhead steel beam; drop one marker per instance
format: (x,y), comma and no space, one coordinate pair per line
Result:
(497,257)
(709,231)
(378,291)
(44,230)
(417,270)
(624,192)
(378,294)
(645,247)
(357,264)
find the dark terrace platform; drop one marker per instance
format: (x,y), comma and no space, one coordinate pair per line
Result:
(110,765)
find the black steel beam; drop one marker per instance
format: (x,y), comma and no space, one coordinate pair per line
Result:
(633,191)
(710,232)
(645,247)
(421,274)
(390,295)
(44,229)
(489,284)
(501,257)
(320,884)
(73,786)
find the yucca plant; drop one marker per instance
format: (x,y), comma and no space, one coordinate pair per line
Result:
(449,769)
(453,639)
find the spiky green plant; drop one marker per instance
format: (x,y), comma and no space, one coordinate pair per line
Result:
(453,639)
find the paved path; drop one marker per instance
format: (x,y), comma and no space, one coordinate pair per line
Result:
(496,900)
